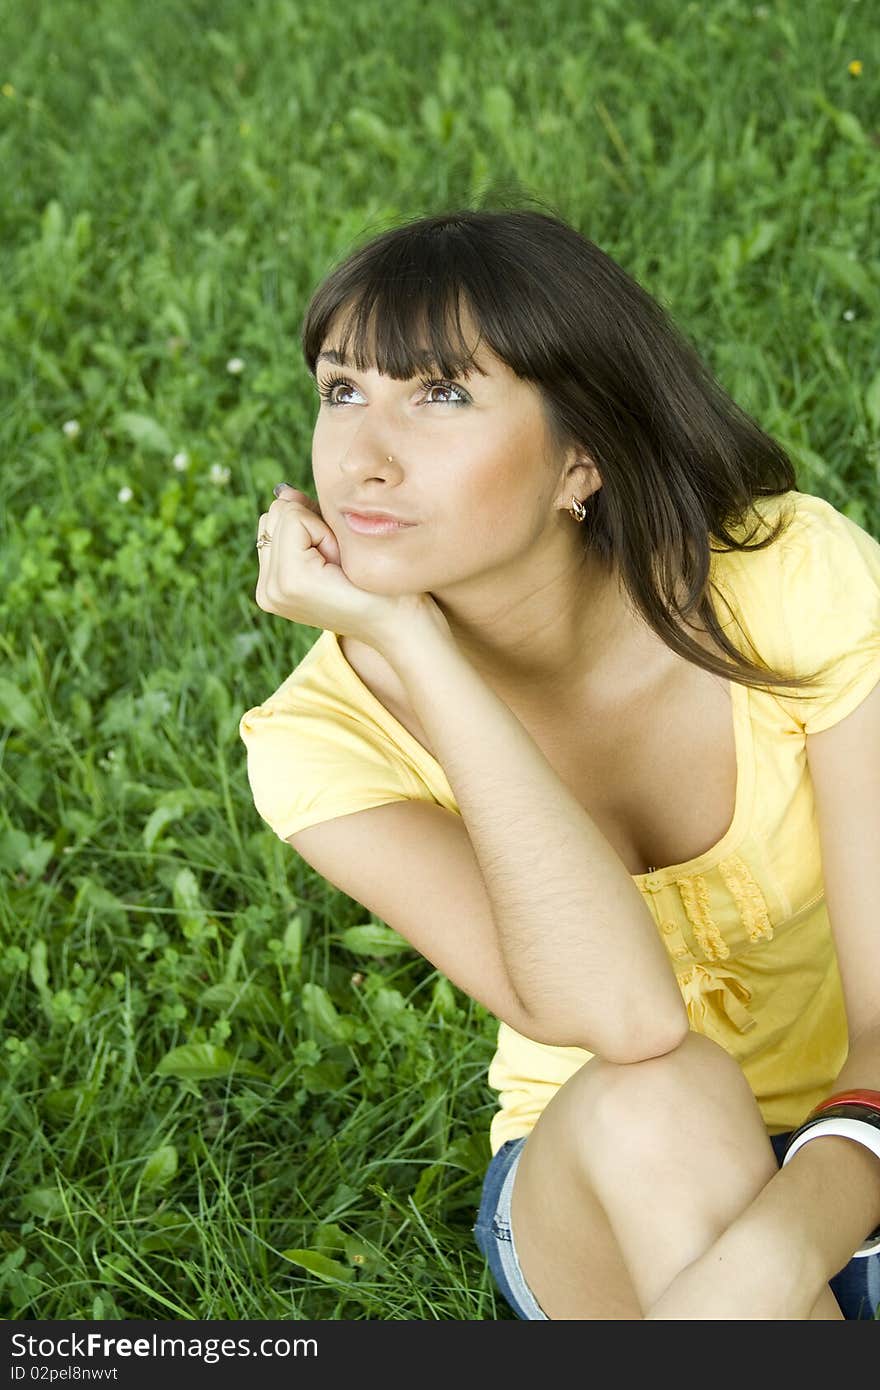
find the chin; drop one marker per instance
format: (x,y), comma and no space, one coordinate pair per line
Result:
(390,585)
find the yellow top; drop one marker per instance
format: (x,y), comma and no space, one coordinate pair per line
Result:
(745,923)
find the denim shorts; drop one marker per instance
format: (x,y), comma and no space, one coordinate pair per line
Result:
(856,1287)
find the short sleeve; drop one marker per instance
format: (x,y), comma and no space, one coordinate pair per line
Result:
(307,765)
(830,599)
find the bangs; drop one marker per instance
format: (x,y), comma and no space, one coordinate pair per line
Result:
(400,310)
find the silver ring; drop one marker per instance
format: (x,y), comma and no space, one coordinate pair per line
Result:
(263,539)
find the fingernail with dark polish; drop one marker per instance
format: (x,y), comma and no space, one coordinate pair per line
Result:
(278,486)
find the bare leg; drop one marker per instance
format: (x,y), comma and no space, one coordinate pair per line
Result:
(827,1308)
(631,1173)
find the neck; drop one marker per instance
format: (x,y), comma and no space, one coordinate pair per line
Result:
(570,628)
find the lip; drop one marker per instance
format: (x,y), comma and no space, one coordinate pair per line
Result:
(375,523)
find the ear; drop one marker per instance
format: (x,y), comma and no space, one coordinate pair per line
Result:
(580,479)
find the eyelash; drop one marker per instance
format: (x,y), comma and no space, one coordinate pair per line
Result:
(326,389)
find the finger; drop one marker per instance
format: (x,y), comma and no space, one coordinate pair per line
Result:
(264,557)
(300,527)
(284,492)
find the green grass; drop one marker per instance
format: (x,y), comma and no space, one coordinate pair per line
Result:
(177,178)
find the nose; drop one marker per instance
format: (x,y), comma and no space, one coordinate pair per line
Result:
(362,461)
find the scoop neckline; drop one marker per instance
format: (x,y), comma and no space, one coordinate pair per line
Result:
(652,879)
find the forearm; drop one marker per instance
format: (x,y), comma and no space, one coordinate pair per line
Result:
(581,948)
(824,1203)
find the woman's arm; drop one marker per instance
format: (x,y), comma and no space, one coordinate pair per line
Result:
(579,942)
(827,1199)
(775,1259)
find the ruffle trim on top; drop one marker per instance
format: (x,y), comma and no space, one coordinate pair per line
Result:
(701,980)
(748,898)
(695,897)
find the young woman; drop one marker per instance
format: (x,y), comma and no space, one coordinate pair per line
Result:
(594,723)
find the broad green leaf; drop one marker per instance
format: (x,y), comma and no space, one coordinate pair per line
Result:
(443,999)
(172,1230)
(372,939)
(63,1103)
(292,941)
(14,845)
(729,256)
(324,1078)
(427,1179)
(499,111)
(52,226)
(845,122)
(203,1062)
(156,823)
(759,240)
(249,1001)
(44,1202)
(172,806)
(848,274)
(329,1236)
(160,1167)
(431,115)
(320,1265)
(468,1151)
(358,1253)
(187,900)
(848,125)
(320,1009)
(373,130)
(102,902)
(39,966)
(48,368)
(146,432)
(37,856)
(16,708)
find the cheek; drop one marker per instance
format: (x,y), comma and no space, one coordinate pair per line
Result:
(504,493)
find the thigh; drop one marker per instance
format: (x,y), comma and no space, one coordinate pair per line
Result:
(565,1248)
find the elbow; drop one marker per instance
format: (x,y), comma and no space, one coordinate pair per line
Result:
(638,1049)
(648,1037)
(638,1044)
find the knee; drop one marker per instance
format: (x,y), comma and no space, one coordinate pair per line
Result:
(697,1062)
(659,1102)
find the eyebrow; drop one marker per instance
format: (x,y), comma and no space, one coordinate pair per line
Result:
(331,355)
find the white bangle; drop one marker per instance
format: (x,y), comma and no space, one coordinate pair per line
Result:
(866,1134)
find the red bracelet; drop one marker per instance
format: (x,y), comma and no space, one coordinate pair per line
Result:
(869,1098)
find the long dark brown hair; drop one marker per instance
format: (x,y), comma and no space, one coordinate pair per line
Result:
(681,464)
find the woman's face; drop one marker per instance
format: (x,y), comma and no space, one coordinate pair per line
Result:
(471,467)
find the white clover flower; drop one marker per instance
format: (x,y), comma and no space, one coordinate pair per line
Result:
(124,494)
(235,366)
(181,461)
(219,474)
(849,315)
(71,428)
